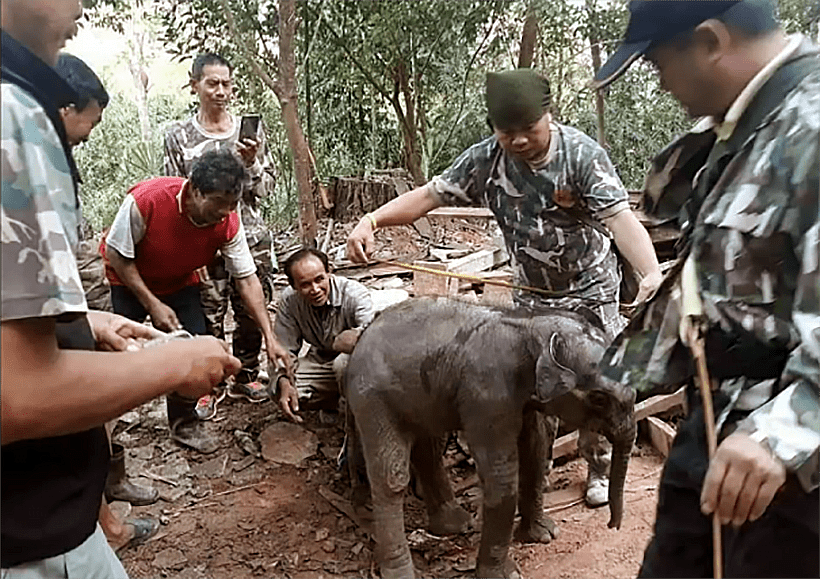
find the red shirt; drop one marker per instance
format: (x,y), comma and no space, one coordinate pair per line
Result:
(172,248)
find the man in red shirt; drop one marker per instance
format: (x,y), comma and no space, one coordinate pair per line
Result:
(166,229)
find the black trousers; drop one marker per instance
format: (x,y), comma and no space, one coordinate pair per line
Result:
(784,542)
(188,308)
(185,303)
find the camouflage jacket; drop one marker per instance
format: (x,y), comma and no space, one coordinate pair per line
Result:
(550,217)
(186,140)
(39,211)
(752,231)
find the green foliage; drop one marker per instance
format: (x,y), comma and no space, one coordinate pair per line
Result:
(115,157)
(348,59)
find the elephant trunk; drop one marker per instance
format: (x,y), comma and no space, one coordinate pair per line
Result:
(622,441)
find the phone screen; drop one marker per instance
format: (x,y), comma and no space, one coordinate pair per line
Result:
(249,127)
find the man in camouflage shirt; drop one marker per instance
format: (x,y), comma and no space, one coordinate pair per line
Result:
(559,204)
(748,277)
(57,390)
(211,128)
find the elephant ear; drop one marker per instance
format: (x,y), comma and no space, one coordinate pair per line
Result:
(553,375)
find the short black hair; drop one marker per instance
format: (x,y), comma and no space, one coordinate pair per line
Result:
(83,80)
(208,59)
(301,254)
(218,171)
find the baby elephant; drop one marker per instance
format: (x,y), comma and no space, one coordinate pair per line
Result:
(431,365)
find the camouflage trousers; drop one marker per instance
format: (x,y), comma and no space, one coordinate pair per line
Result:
(216,293)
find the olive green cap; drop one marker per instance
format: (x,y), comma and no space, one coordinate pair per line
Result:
(516,98)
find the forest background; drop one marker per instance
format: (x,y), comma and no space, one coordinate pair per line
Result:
(346,88)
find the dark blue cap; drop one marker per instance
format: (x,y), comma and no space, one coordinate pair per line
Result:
(653,21)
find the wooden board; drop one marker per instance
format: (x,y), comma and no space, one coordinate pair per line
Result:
(661,403)
(661,434)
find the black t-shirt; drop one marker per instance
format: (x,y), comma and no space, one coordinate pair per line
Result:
(51,488)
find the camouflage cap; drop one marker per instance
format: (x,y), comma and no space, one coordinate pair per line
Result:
(516,98)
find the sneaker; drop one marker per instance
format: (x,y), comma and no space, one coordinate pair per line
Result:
(205,408)
(597,490)
(250,391)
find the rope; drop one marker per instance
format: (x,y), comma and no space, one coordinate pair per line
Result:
(479,279)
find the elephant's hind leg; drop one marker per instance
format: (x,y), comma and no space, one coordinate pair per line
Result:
(387,453)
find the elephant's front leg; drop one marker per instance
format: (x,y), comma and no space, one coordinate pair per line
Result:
(496,456)
(534,452)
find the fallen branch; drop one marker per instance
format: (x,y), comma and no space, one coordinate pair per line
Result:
(151,475)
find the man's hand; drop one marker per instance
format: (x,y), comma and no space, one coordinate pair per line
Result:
(288,399)
(742,480)
(360,242)
(345,341)
(647,287)
(207,361)
(247,149)
(279,357)
(114,333)
(163,317)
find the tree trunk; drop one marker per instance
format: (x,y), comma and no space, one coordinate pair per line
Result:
(135,30)
(595,47)
(285,89)
(407,121)
(288,99)
(529,38)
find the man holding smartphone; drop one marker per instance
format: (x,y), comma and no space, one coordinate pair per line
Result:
(214,128)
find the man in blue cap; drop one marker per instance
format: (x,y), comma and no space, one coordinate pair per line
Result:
(745,184)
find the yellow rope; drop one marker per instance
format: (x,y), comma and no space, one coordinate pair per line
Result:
(473,278)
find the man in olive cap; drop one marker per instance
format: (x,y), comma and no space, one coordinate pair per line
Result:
(558,202)
(748,175)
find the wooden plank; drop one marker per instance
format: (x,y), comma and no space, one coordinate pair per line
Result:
(430,284)
(565,445)
(661,434)
(658,404)
(473,263)
(464,212)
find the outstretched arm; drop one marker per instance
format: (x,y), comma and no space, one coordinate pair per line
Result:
(635,245)
(253,297)
(50,392)
(401,210)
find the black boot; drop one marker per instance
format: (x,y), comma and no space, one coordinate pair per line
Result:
(185,428)
(119,488)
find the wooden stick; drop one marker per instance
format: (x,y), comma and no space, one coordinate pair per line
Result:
(705,386)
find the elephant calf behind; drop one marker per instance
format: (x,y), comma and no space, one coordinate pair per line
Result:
(432,365)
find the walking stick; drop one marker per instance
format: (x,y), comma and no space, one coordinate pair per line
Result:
(696,345)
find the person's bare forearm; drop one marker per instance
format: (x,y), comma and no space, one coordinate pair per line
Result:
(253,298)
(406,208)
(634,243)
(50,392)
(129,275)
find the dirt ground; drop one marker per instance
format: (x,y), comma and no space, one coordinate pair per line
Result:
(271,501)
(236,515)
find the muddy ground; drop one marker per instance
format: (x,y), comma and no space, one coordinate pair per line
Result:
(271,501)
(237,515)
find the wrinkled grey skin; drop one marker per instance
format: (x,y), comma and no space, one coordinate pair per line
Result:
(431,365)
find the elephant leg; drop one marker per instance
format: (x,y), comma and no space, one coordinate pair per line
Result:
(534,456)
(357,469)
(445,515)
(496,457)
(387,453)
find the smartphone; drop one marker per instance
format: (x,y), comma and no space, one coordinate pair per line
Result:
(249,127)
